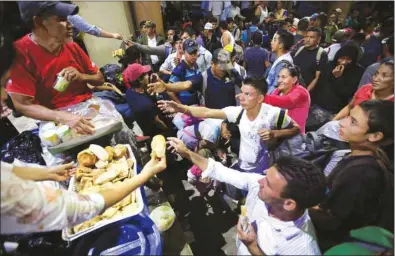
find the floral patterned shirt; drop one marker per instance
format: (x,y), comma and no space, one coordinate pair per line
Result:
(28,206)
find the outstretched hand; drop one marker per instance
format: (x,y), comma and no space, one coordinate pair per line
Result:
(169,107)
(177,146)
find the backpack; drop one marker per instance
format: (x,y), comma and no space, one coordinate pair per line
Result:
(317,57)
(112,74)
(311,146)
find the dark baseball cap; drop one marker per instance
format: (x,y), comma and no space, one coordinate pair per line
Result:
(190,46)
(29,9)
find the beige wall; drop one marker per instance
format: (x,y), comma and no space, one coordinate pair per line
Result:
(111,17)
(144,10)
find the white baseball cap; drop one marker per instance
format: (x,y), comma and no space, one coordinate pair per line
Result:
(208,26)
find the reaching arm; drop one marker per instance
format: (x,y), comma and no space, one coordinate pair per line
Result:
(203,112)
(116,193)
(151,50)
(313,83)
(214,169)
(288,101)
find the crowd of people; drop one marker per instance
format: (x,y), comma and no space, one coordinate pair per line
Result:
(227,91)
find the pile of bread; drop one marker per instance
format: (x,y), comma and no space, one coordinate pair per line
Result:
(100,168)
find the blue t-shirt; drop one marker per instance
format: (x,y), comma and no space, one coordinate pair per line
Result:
(256,58)
(182,73)
(143,109)
(244,34)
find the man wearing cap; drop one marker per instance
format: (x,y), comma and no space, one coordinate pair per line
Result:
(388,54)
(45,56)
(340,37)
(210,40)
(217,84)
(152,39)
(142,106)
(186,69)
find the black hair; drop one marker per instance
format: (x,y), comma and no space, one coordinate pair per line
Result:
(380,116)
(306,184)
(7,51)
(230,20)
(257,38)
(259,83)
(223,24)
(254,20)
(380,119)
(212,20)
(316,30)
(323,18)
(189,31)
(289,20)
(173,28)
(303,25)
(294,71)
(389,63)
(293,13)
(286,38)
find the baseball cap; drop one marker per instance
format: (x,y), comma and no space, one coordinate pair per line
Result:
(150,24)
(134,71)
(208,26)
(29,9)
(338,10)
(340,36)
(314,16)
(190,46)
(221,57)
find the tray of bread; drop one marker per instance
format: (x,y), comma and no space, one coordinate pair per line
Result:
(99,168)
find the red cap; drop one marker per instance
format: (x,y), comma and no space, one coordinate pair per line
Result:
(133,72)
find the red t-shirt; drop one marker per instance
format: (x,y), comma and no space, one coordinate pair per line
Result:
(35,71)
(365,93)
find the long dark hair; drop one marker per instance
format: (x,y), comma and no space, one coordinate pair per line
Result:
(380,119)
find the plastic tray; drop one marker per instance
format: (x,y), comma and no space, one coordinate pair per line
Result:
(68,236)
(100,132)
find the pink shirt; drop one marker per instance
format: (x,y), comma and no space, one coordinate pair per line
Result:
(365,93)
(297,101)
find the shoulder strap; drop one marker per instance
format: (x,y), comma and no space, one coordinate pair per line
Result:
(318,56)
(299,50)
(239,117)
(281,118)
(196,130)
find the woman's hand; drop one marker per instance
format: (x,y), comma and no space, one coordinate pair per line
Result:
(61,172)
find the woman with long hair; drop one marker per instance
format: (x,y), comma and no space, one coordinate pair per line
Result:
(382,87)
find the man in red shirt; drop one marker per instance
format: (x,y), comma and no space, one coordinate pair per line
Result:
(42,56)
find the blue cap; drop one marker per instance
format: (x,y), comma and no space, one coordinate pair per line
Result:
(190,46)
(29,9)
(314,16)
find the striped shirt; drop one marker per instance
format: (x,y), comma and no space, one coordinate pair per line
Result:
(274,237)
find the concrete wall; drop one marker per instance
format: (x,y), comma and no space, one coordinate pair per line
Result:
(112,17)
(144,10)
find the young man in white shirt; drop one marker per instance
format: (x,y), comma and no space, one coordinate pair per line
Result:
(278,220)
(258,123)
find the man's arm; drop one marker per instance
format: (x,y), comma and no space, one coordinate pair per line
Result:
(159,50)
(212,168)
(313,83)
(25,105)
(203,112)
(291,130)
(95,80)
(226,39)
(71,74)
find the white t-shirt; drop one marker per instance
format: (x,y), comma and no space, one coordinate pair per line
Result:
(152,43)
(253,154)
(264,14)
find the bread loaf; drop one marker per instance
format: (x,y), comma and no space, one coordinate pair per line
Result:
(158,146)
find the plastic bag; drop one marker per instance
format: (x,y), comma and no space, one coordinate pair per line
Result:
(25,147)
